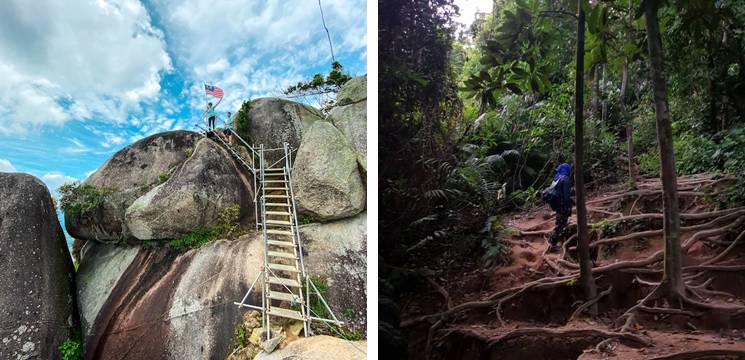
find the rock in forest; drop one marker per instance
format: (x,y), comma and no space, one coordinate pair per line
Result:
(337,252)
(127,175)
(273,122)
(37,304)
(319,348)
(350,116)
(156,300)
(326,179)
(194,197)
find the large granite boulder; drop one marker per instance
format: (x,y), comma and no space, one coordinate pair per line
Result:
(350,116)
(326,179)
(155,300)
(319,348)
(355,90)
(337,252)
(37,301)
(200,189)
(273,122)
(127,175)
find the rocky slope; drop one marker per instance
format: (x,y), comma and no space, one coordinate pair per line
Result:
(37,297)
(137,296)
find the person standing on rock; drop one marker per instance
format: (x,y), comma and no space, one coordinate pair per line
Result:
(211,117)
(228,130)
(558,197)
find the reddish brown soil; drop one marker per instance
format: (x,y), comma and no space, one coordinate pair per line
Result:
(472,334)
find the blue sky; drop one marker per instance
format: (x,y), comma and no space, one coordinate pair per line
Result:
(82,79)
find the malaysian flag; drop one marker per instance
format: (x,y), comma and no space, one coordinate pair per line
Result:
(213,90)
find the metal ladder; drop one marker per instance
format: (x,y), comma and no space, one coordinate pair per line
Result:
(286,287)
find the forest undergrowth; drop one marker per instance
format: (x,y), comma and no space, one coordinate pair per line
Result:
(533,297)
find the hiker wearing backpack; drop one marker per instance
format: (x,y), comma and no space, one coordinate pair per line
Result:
(558,197)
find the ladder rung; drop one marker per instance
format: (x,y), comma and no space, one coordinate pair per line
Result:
(278,295)
(275,169)
(278,232)
(275,189)
(276,196)
(292,314)
(283,281)
(275,181)
(281,243)
(278,222)
(282,254)
(282,267)
(278,213)
(277,204)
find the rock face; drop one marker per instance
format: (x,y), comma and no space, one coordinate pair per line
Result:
(319,348)
(37,304)
(351,116)
(273,121)
(130,173)
(326,180)
(155,300)
(337,251)
(201,188)
(355,90)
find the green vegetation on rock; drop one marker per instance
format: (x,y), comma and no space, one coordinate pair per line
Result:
(81,199)
(227,227)
(71,348)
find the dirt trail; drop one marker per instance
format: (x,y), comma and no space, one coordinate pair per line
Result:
(527,308)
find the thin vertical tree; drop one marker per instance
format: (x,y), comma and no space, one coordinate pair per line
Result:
(583,248)
(672,285)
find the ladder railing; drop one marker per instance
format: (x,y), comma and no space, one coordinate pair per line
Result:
(252,168)
(258,155)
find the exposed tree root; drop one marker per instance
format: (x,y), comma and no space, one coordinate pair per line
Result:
(587,304)
(705,355)
(631,339)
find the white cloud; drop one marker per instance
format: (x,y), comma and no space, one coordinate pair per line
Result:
(66,60)
(469,8)
(55,179)
(77,147)
(6,166)
(257,47)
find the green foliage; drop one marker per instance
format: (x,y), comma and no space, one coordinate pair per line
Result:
(242,119)
(240,338)
(605,227)
(195,239)
(227,227)
(527,198)
(350,334)
(349,313)
(72,348)
(81,199)
(163,178)
(305,219)
(649,163)
(320,84)
(316,305)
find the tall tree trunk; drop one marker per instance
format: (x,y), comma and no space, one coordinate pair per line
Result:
(672,281)
(583,247)
(627,119)
(594,91)
(603,100)
(624,109)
